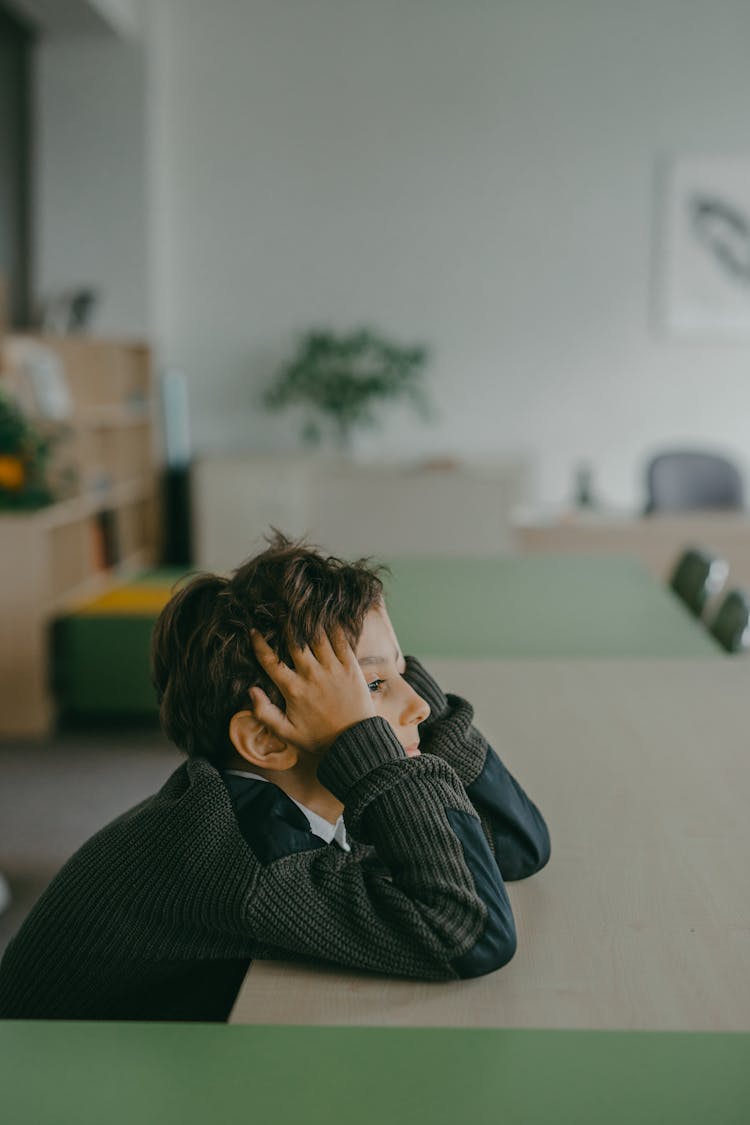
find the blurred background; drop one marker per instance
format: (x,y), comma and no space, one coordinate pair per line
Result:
(413,277)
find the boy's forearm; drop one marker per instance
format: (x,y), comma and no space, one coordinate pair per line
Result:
(513,824)
(353,771)
(434,905)
(448,732)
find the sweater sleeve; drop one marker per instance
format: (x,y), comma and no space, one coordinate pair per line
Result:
(428,902)
(512,823)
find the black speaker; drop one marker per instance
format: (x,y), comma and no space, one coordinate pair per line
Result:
(178,541)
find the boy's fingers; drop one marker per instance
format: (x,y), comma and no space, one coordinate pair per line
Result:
(303,658)
(279,672)
(340,645)
(322,649)
(270,715)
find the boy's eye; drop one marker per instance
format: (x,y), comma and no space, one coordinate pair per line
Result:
(375,685)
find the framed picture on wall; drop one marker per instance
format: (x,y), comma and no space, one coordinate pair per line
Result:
(38,380)
(704,284)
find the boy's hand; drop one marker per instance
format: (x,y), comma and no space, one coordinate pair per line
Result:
(325,692)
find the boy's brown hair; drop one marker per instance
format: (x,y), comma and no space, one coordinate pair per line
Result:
(202,658)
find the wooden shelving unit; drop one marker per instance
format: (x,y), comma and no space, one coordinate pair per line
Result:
(106,528)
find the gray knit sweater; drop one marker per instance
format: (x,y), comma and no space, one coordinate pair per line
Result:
(159,914)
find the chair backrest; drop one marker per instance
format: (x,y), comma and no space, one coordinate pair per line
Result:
(697,577)
(688,480)
(731,626)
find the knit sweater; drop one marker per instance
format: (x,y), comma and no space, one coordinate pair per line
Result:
(159,914)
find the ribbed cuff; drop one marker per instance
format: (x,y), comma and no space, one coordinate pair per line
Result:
(458,742)
(356,752)
(424,684)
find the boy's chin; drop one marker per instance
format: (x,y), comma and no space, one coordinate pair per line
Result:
(411,751)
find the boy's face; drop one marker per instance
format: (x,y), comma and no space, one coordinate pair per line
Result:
(383,664)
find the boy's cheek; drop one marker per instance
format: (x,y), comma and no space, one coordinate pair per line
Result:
(411,750)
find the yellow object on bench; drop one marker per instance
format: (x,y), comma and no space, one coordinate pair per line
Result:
(129,601)
(102,647)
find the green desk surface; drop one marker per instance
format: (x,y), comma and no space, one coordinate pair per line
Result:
(547,606)
(198,1074)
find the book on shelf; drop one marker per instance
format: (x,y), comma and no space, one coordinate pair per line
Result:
(107,539)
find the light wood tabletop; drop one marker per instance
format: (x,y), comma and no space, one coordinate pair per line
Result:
(641,920)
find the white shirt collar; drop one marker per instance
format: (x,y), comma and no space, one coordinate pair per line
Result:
(331,833)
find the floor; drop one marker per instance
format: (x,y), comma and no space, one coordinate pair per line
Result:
(54,795)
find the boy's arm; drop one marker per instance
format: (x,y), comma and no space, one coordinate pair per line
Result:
(431,903)
(513,824)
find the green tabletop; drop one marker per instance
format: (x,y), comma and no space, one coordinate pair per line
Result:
(539,606)
(202,1074)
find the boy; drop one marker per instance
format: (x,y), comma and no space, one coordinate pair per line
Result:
(335,804)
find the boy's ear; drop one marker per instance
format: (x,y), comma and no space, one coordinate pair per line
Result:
(257,745)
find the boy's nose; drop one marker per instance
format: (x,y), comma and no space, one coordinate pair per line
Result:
(416,709)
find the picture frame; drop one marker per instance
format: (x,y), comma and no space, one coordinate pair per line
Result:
(39,380)
(704,276)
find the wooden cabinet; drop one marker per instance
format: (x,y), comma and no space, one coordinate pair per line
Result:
(104,529)
(351,508)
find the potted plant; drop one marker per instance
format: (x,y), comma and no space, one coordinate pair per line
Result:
(342,381)
(24,455)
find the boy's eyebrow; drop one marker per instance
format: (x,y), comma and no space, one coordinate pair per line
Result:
(377,659)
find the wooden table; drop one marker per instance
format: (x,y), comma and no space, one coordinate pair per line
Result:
(656,540)
(641,920)
(540,606)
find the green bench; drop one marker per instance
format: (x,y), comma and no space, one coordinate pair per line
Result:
(101,650)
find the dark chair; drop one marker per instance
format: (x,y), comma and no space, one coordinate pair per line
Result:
(731,626)
(697,577)
(688,480)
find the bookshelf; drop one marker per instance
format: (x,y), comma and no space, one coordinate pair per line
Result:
(103,529)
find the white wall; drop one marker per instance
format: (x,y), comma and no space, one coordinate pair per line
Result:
(126,17)
(56,18)
(479,175)
(91,205)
